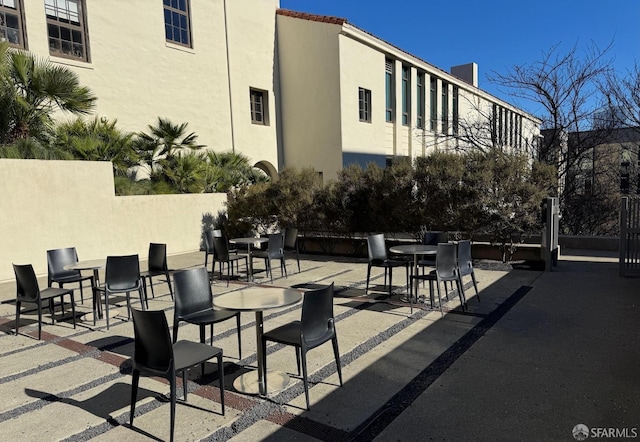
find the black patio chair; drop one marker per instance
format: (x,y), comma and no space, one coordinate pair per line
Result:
(28,290)
(465,264)
(316,326)
(275,250)
(122,275)
(194,304)
(56,260)
(291,242)
(377,250)
(155,355)
(223,256)
(157,266)
(446,270)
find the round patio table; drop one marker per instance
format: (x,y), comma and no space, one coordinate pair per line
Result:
(415,250)
(249,242)
(257,299)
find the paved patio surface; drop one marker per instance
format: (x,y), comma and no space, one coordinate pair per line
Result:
(538,354)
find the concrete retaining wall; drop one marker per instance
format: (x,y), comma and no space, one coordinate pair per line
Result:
(52,204)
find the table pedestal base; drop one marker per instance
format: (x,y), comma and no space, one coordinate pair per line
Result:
(248,383)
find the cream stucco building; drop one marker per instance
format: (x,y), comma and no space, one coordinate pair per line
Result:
(281,87)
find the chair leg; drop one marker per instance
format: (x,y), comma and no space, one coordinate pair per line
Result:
(18,316)
(184,383)
(366,290)
(211,334)
(202,341)
(283,264)
(221,380)
(151,284)
(475,285)
(440,299)
(169,284)
(73,310)
(106,304)
(298,259)
(39,320)
(129,306)
(134,394)
(81,293)
(176,322)
(172,394)
(297,349)
(239,336)
(336,353)
(303,357)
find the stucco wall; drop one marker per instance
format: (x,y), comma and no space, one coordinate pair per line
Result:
(54,204)
(138,76)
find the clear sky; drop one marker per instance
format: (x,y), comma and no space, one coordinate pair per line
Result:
(495,34)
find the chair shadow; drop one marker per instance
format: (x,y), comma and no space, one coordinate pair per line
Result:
(103,404)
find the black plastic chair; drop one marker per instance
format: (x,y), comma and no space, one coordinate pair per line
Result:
(446,270)
(157,267)
(56,260)
(275,250)
(291,242)
(465,263)
(432,239)
(377,250)
(223,256)
(122,275)
(317,326)
(28,290)
(155,355)
(207,239)
(194,304)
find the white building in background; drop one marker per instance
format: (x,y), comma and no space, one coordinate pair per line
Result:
(281,87)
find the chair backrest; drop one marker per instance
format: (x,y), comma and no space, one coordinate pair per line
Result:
(275,246)
(290,238)
(58,258)
(376,248)
(26,282)
(192,291)
(153,350)
(221,248)
(435,238)
(317,313)
(207,236)
(446,260)
(157,256)
(464,255)
(122,272)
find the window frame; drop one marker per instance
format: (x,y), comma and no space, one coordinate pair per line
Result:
(364,105)
(406,95)
(389,90)
(433,102)
(67,24)
(456,109)
(168,7)
(420,97)
(18,12)
(445,108)
(264,103)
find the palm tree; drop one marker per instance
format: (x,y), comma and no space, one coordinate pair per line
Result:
(226,170)
(158,149)
(31,90)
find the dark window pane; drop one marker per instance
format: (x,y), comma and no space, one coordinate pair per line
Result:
(185,37)
(167,17)
(66,48)
(183,21)
(183,5)
(77,36)
(65,33)
(166,2)
(54,45)
(14,36)
(175,18)
(174,4)
(54,31)
(12,21)
(167,32)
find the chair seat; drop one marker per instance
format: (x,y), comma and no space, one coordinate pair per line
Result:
(188,353)
(291,334)
(427,262)
(388,263)
(209,316)
(152,273)
(53,292)
(70,278)
(114,289)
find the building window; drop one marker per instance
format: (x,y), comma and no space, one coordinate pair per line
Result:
(445,108)
(66,28)
(389,87)
(364,104)
(456,109)
(259,107)
(11,23)
(433,103)
(406,100)
(420,100)
(177,26)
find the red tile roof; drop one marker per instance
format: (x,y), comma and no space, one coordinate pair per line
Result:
(312,17)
